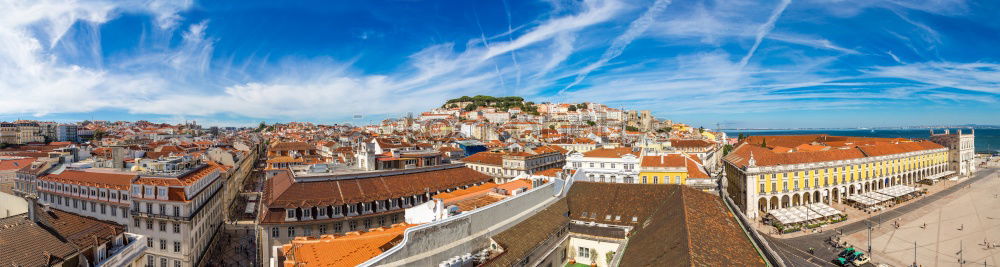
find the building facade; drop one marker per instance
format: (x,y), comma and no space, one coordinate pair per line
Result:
(608,165)
(103,196)
(337,204)
(178,213)
(682,169)
(759,179)
(961,149)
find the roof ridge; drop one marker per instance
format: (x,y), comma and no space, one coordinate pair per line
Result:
(687,225)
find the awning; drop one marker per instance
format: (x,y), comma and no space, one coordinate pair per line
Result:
(939,175)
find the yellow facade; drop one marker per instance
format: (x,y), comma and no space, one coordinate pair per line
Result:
(860,172)
(663,177)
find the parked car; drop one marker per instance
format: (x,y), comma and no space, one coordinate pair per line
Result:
(846,252)
(841,262)
(860,260)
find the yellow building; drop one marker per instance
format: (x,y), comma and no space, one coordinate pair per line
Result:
(783,171)
(681,169)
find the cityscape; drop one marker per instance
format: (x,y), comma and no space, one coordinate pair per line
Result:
(499,133)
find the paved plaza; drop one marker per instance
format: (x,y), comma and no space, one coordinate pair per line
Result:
(235,247)
(960,221)
(949,206)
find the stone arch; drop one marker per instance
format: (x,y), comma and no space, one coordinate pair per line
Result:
(796,199)
(816,196)
(762,205)
(851,190)
(774,203)
(785,201)
(807,198)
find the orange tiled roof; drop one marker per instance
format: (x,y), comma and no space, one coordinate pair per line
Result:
(348,250)
(116,181)
(515,184)
(468,191)
(669,160)
(869,148)
(487,158)
(550,172)
(15,164)
(610,152)
(185,180)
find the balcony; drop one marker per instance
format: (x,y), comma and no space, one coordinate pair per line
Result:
(134,247)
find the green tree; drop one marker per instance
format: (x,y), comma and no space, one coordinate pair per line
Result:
(740,137)
(470,107)
(591,123)
(99,134)
(553,126)
(701,129)
(631,128)
(763,143)
(572,108)
(726,149)
(581,105)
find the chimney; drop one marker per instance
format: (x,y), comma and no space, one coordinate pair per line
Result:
(958,131)
(32,206)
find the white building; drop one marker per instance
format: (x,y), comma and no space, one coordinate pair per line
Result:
(614,165)
(177,212)
(100,195)
(961,150)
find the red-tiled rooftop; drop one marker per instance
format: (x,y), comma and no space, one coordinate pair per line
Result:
(282,191)
(486,158)
(848,148)
(117,181)
(610,152)
(185,180)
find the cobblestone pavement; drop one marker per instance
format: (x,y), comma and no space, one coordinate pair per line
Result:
(794,251)
(235,247)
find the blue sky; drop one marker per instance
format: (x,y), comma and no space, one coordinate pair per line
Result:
(820,63)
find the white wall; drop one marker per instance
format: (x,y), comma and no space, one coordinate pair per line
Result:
(11,205)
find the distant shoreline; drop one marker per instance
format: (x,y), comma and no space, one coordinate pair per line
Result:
(872,128)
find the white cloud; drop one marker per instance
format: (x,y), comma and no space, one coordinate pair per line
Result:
(636,28)
(980,77)
(34,81)
(764,30)
(597,11)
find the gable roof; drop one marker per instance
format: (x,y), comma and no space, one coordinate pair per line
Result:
(116,181)
(674,225)
(485,158)
(61,234)
(610,152)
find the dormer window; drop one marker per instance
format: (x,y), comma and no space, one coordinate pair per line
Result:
(290,213)
(321,211)
(307,213)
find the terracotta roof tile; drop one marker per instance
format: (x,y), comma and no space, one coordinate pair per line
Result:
(610,152)
(116,181)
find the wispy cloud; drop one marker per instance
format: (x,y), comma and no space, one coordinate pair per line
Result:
(980,77)
(636,28)
(764,30)
(695,63)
